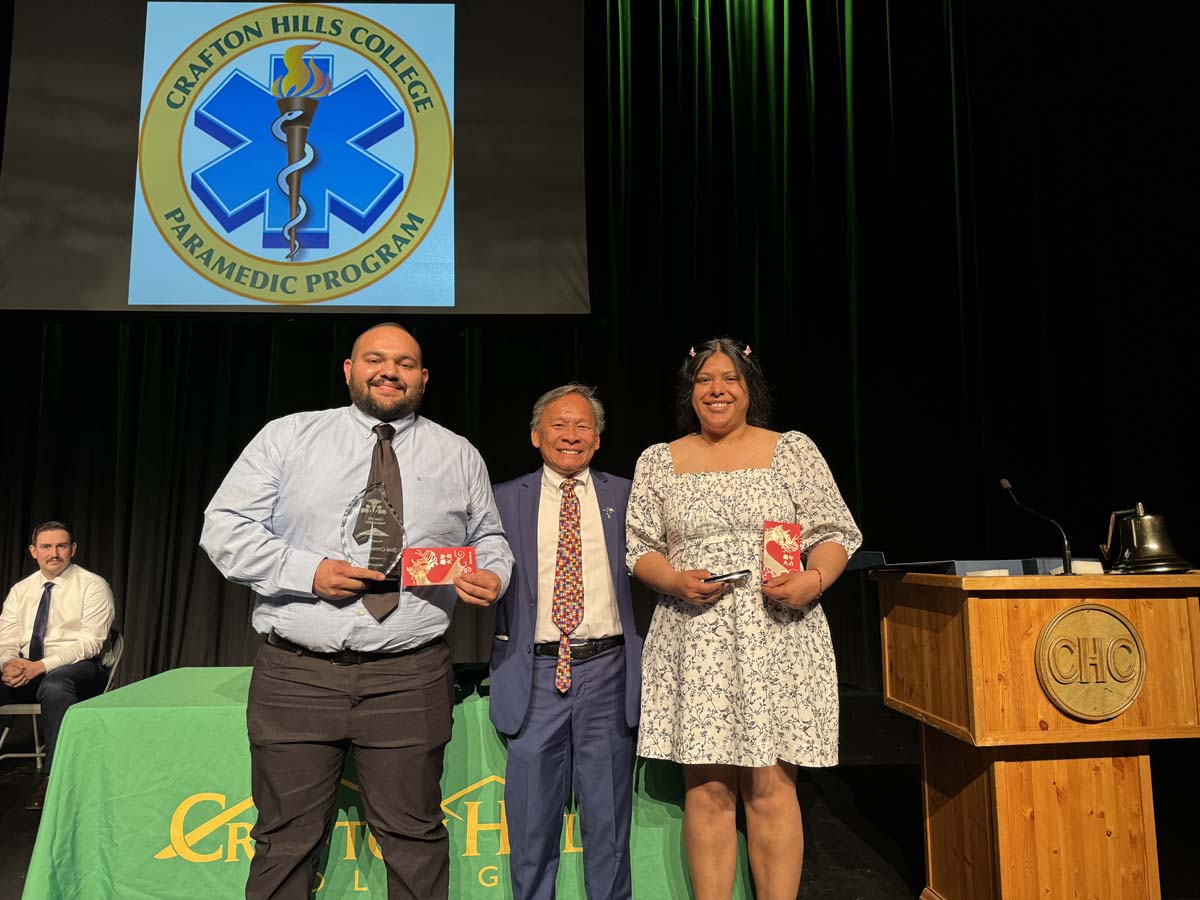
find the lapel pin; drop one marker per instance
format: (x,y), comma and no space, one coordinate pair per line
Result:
(608,512)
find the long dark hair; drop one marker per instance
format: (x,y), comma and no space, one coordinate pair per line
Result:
(759,394)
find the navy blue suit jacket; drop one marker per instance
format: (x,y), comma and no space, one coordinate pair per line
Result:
(516,612)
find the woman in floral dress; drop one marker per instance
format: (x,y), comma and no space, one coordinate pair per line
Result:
(738,678)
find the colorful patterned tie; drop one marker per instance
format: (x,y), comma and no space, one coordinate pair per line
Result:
(567,609)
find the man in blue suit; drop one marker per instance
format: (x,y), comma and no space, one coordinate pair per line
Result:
(566,658)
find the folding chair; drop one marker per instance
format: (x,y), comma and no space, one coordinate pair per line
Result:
(111,657)
(24,709)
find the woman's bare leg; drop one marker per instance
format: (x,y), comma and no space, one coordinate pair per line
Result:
(774,832)
(710,829)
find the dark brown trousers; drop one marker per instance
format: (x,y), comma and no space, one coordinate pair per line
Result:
(303,715)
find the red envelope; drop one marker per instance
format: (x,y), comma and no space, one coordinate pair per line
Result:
(781,549)
(435,565)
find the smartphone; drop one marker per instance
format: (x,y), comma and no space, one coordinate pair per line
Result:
(728,576)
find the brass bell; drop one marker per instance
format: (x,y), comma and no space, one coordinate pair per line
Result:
(1142,546)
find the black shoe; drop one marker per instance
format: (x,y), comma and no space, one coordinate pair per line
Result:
(38,800)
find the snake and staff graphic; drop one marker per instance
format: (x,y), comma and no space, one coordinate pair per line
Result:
(297,93)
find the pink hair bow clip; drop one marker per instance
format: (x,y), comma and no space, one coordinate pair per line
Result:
(746,352)
(692,352)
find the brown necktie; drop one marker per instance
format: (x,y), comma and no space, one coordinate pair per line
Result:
(387,537)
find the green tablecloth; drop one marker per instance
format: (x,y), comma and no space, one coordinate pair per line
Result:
(150,800)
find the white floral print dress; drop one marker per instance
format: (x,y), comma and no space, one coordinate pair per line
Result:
(743,681)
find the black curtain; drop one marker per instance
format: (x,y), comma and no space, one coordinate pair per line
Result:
(955,236)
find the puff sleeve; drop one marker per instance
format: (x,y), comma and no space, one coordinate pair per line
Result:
(818,502)
(645,525)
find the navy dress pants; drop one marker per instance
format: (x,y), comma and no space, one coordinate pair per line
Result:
(574,743)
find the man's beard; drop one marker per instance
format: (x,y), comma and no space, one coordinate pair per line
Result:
(403,405)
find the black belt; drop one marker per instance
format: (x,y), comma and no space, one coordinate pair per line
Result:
(344,657)
(580,649)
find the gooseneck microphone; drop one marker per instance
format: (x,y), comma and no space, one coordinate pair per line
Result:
(1066,554)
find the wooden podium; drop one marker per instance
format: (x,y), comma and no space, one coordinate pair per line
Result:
(1038,696)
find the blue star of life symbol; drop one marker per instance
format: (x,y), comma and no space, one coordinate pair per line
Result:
(345,180)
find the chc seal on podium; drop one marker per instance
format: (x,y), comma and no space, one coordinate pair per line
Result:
(1090,662)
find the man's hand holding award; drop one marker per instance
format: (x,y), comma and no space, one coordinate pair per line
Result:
(372,543)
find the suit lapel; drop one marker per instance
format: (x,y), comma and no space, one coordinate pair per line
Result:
(531,490)
(607,501)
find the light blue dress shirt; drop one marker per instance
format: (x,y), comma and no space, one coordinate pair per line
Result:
(279,511)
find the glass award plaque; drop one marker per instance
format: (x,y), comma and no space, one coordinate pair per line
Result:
(372,534)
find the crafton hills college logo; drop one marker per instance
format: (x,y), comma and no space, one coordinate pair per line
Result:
(296,153)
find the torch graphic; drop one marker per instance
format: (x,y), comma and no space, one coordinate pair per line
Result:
(297,92)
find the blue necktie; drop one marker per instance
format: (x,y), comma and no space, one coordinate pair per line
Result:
(37,643)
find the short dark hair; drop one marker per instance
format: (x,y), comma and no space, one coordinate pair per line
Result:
(759,394)
(408,331)
(52,525)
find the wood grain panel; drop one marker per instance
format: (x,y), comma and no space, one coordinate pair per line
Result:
(1176,584)
(1075,822)
(925,654)
(1010,706)
(960,835)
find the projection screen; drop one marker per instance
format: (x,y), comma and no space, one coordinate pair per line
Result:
(295,157)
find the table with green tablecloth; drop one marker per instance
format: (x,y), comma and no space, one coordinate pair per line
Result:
(150,800)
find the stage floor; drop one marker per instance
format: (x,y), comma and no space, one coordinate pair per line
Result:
(862,820)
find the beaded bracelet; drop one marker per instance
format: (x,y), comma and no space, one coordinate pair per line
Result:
(820,584)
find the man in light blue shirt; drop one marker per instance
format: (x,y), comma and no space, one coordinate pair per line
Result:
(349,660)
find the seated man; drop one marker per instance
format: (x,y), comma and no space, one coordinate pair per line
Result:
(52,630)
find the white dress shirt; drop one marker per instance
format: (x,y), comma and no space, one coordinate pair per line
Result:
(81,611)
(600,617)
(281,508)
